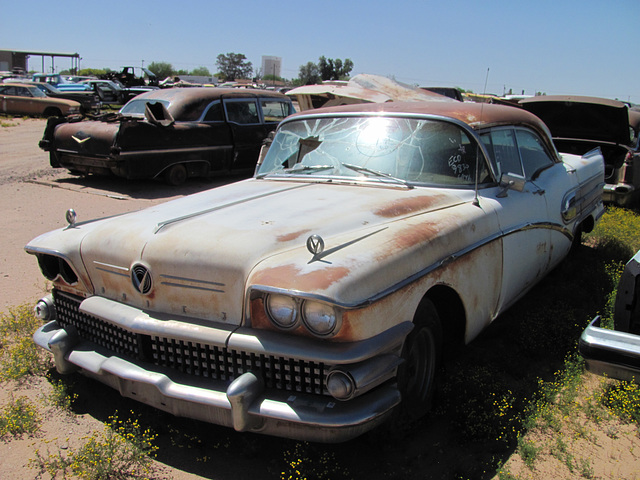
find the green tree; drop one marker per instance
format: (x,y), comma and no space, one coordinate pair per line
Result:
(234,66)
(309,74)
(161,69)
(93,71)
(201,72)
(330,69)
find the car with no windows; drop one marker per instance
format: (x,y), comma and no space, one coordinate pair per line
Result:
(314,300)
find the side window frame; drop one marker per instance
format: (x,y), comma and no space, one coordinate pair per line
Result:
(274,100)
(254,101)
(219,103)
(524,160)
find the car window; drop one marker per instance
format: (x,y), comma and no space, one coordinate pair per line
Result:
(415,150)
(214,113)
(136,106)
(243,111)
(274,110)
(534,156)
(503,150)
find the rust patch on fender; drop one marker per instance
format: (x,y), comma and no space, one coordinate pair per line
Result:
(289,276)
(409,205)
(292,236)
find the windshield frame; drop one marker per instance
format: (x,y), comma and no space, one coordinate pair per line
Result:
(302,174)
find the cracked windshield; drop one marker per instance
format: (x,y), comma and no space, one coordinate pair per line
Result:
(405,150)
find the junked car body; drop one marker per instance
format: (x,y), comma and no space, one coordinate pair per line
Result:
(313,300)
(362,88)
(578,124)
(89,102)
(59,82)
(616,353)
(26,99)
(172,134)
(112,91)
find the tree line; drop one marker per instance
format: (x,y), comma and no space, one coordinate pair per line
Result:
(235,66)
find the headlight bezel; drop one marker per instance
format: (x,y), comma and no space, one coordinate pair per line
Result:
(295,310)
(300,306)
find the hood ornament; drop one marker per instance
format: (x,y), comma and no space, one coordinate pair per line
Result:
(71,217)
(315,244)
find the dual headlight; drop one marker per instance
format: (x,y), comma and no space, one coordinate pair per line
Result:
(287,312)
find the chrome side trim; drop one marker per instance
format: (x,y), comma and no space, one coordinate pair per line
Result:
(257,290)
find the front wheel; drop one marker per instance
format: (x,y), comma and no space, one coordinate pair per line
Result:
(421,354)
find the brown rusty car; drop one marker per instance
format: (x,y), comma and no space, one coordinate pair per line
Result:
(25,99)
(314,300)
(170,134)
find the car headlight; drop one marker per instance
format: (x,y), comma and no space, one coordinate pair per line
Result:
(283,310)
(319,318)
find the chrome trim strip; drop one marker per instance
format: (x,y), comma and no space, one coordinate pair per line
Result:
(256,291)
(189,216)
(115,269)
(192,283)
(174,150)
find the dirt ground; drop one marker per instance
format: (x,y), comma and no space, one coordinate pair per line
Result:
(34,200)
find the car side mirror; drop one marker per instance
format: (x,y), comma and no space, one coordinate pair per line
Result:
(157,114)
(511,181)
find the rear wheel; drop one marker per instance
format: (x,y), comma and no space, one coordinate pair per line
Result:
(176,175)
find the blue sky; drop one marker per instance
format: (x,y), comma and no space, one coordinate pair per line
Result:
(558,47)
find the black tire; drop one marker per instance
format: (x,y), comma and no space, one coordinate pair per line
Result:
(422,354)
(176,175)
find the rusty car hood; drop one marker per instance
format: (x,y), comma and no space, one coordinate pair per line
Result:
(586,118)
(200,250)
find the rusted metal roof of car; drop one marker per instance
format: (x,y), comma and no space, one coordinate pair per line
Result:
(574,98)
(210,93)
(476,115)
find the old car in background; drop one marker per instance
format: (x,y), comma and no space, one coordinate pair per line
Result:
(128,77)
(59,82)
(362,88)
(89,102)
(578,124)
(616,353)
(113,92)
(315,299)
(26,99)
(172,134)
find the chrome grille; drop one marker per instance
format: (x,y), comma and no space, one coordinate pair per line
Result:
(90,328)
(192,358)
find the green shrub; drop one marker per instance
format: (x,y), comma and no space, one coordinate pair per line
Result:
(19,417)
(122,451)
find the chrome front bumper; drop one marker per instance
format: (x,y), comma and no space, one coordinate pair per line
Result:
(610,352)
(244,404)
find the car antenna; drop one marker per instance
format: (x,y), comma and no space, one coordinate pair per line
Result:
(476,200)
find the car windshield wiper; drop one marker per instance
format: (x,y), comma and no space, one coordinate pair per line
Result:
(376,173)
(297,168)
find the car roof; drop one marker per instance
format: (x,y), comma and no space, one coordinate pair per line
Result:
(476,115)
(197,93)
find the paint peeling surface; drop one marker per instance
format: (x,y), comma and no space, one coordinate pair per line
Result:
(284,304)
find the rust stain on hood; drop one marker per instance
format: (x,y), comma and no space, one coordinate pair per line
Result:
(402,207)
(292,236)
(292,277)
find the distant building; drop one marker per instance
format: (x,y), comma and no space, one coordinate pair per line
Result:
(271,65)
(18,60)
